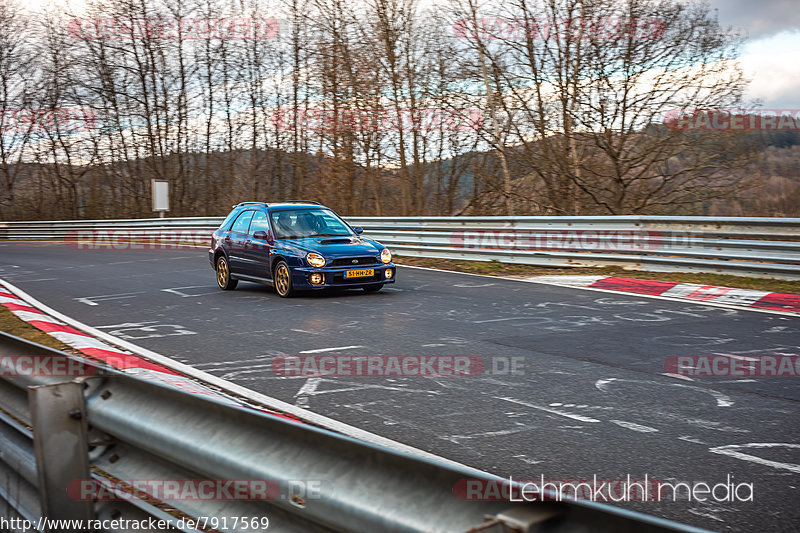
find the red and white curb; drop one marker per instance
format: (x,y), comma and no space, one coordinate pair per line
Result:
(122,360)
(759,300)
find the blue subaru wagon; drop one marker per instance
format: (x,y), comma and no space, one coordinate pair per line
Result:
(294,246)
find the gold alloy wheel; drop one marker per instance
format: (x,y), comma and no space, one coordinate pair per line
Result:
(222,272)
(282,283)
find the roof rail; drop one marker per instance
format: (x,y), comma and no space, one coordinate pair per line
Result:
(300,202)
(250,203)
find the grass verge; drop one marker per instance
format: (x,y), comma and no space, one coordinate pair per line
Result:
(13,325)
(495,268)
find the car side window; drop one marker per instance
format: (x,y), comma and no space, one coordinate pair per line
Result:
(259,223)
(242,222)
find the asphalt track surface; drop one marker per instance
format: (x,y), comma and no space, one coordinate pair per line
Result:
(589,397)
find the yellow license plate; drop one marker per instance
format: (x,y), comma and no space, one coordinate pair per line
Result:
(360,273)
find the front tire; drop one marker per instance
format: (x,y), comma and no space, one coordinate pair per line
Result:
(283,280)
(224,280)
(373,288)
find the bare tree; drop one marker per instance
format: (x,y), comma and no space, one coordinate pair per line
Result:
(581,85)
(16,92)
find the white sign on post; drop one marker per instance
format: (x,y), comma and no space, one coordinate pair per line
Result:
(160,196)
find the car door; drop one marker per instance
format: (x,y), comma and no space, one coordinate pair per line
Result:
(256,251)
(235,242)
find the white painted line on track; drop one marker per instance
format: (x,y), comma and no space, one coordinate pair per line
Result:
(732,451)
(689,438)
(177,291)
(243,392)
(634,427)
(550,410)
(723,400)
(92,300)
(321,350)
(676,376)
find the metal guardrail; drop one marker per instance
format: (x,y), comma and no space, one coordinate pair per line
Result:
(767,247)
(111,427)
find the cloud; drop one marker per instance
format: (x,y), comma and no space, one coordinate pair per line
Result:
(771,64)
(772,52)
(761,18)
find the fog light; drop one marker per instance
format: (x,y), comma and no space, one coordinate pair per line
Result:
(316,279)
(388,273)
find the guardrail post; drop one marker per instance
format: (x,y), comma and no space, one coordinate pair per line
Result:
(58,416)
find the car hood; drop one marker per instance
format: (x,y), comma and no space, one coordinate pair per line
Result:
(333,247)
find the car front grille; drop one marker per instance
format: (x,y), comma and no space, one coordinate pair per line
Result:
(354,261)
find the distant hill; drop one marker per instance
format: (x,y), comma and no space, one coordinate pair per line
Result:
(207,185)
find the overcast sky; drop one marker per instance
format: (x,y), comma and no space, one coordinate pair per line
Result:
(771,55)
(759,18)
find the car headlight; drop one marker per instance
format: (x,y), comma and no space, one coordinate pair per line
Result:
(386,255)
(315,260)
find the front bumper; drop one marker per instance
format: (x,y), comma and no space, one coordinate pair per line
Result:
(334,276)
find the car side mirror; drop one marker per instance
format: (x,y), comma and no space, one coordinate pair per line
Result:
(261,235)
(359,230)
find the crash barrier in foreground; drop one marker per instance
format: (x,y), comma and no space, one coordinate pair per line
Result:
(102,445)
(733,245)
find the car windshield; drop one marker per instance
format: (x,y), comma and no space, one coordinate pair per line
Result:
(302,223)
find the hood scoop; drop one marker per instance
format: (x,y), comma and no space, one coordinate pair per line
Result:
(339,240)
